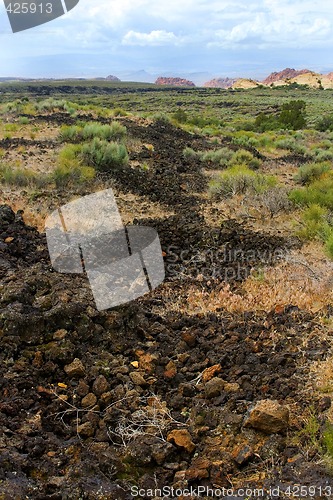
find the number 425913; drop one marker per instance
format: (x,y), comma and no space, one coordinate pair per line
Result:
(29,8)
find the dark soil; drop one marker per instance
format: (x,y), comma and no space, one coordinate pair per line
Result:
(81,432)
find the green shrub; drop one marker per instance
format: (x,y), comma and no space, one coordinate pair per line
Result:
(320,192)
(64,175)
(91,130)
(24,120)
(190,154)
(314,222)
(243,157)
(220,156)
(292,115)
(69,133)
(103,155)
(263,122)
(180,116)
(310,172)
(325,123)
(292,145)
(323,155)
(119,112)
(163,118)
(238,180)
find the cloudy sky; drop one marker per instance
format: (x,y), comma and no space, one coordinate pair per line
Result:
(180,37)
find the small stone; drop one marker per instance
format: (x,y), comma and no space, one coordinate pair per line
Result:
(190,338)
(82,388)
(106,398)
(75,369)
(231,387)
(138,379)
(38,360)
(86,429)
(161,452)
(180,475)
(100,385)
(57,481)
(214,387)
(242,454)
(60,334)
(210,372)
(89,400)
(198,470)
(269,417)
(170,370)
(181,438)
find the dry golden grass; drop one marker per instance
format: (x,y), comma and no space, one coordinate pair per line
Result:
(292,282)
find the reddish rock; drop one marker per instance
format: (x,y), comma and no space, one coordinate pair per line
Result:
(170,370)
(268,416)
(242,454)
(181,438)
(210,372)
(282,75)
(198,470)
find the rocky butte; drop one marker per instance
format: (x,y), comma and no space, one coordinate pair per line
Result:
(286,73)
(176,82)
(221,83)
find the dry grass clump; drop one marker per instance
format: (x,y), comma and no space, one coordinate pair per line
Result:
(272,288)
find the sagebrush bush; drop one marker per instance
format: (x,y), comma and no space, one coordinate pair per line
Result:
(69,133)
(325,123)
(238,180)
(91,130)
(190,154)
(219,156)
(314,222)
(243,157)
(322,154)
(163,118)
(292,145)
(310,172)
(103,155)
(24,120)
(319,192)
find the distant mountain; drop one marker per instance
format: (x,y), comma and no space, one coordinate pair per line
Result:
(221,83)
(176,82)
(287,73)
(112,78)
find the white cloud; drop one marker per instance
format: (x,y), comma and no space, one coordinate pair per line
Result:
(188,31)
(154,38)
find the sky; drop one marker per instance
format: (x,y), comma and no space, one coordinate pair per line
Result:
(217,38)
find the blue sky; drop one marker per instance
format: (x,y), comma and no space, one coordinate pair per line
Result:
(218,37)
